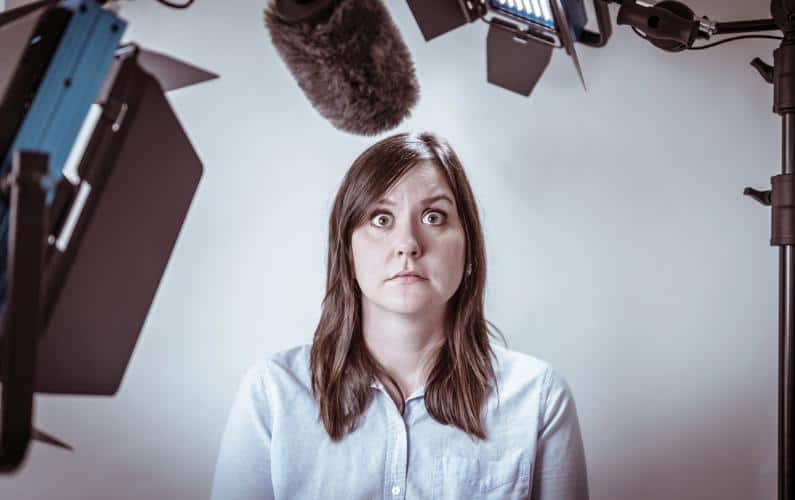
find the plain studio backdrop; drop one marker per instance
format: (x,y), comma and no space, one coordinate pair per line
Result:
(620,249)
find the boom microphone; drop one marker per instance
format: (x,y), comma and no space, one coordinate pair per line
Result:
(348,58)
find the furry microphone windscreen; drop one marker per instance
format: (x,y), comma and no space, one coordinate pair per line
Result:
(352,65)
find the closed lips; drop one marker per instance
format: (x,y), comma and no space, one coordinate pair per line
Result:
(406,274)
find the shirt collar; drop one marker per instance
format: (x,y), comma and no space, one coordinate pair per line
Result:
(376,384)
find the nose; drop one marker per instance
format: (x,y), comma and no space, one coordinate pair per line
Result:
(407,243)
(409,250)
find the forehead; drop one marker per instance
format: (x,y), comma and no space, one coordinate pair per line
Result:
(423,180)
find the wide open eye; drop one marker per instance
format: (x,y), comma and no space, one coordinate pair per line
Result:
(433,217)
(378,218)
(439,216)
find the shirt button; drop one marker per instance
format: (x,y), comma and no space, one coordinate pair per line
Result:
(396,490)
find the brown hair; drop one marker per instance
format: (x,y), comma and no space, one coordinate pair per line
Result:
(342,366)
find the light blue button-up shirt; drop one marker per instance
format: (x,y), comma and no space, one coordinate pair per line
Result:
(275,447)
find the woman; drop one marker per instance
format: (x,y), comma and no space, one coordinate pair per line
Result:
(401,394)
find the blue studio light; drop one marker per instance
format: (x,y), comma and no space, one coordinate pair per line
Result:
(522,33)
(539,12)
(536,11)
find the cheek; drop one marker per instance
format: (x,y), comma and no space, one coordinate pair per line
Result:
(356,252)
(454,252)
(362,252)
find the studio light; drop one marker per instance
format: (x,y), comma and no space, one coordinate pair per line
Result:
(81,256)
(537,11)
(522,33)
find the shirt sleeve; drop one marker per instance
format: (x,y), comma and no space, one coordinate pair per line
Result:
(560,470)
(243,467)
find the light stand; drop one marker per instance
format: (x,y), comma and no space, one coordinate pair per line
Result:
(22,322)
(671,26)
(782,200)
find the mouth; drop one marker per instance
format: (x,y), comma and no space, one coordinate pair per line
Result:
(407,276)
(407,280)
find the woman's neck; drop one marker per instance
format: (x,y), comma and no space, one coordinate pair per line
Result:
(404,345)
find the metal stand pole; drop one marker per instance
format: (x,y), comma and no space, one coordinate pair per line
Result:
(782,200)
(783,236)
(21,319)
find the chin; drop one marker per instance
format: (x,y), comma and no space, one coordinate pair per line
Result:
(410,306)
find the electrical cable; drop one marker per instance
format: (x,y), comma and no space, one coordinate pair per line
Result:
(700,47)
(736,38)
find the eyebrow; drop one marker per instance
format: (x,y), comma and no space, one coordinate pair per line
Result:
(426,201)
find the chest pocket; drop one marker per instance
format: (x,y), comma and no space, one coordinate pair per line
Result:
(480,476)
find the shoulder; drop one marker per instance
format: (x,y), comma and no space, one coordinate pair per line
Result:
(284,370)
(518,372)
(513,366)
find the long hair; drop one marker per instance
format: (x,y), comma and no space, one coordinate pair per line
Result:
(342,367)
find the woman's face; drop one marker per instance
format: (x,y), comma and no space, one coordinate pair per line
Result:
(411,229)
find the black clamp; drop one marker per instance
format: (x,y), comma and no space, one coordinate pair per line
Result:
(782,199)
(767,71)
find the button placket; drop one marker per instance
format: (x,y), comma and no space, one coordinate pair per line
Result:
(396,489)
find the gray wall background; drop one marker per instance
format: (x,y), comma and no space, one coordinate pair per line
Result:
(620,250)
